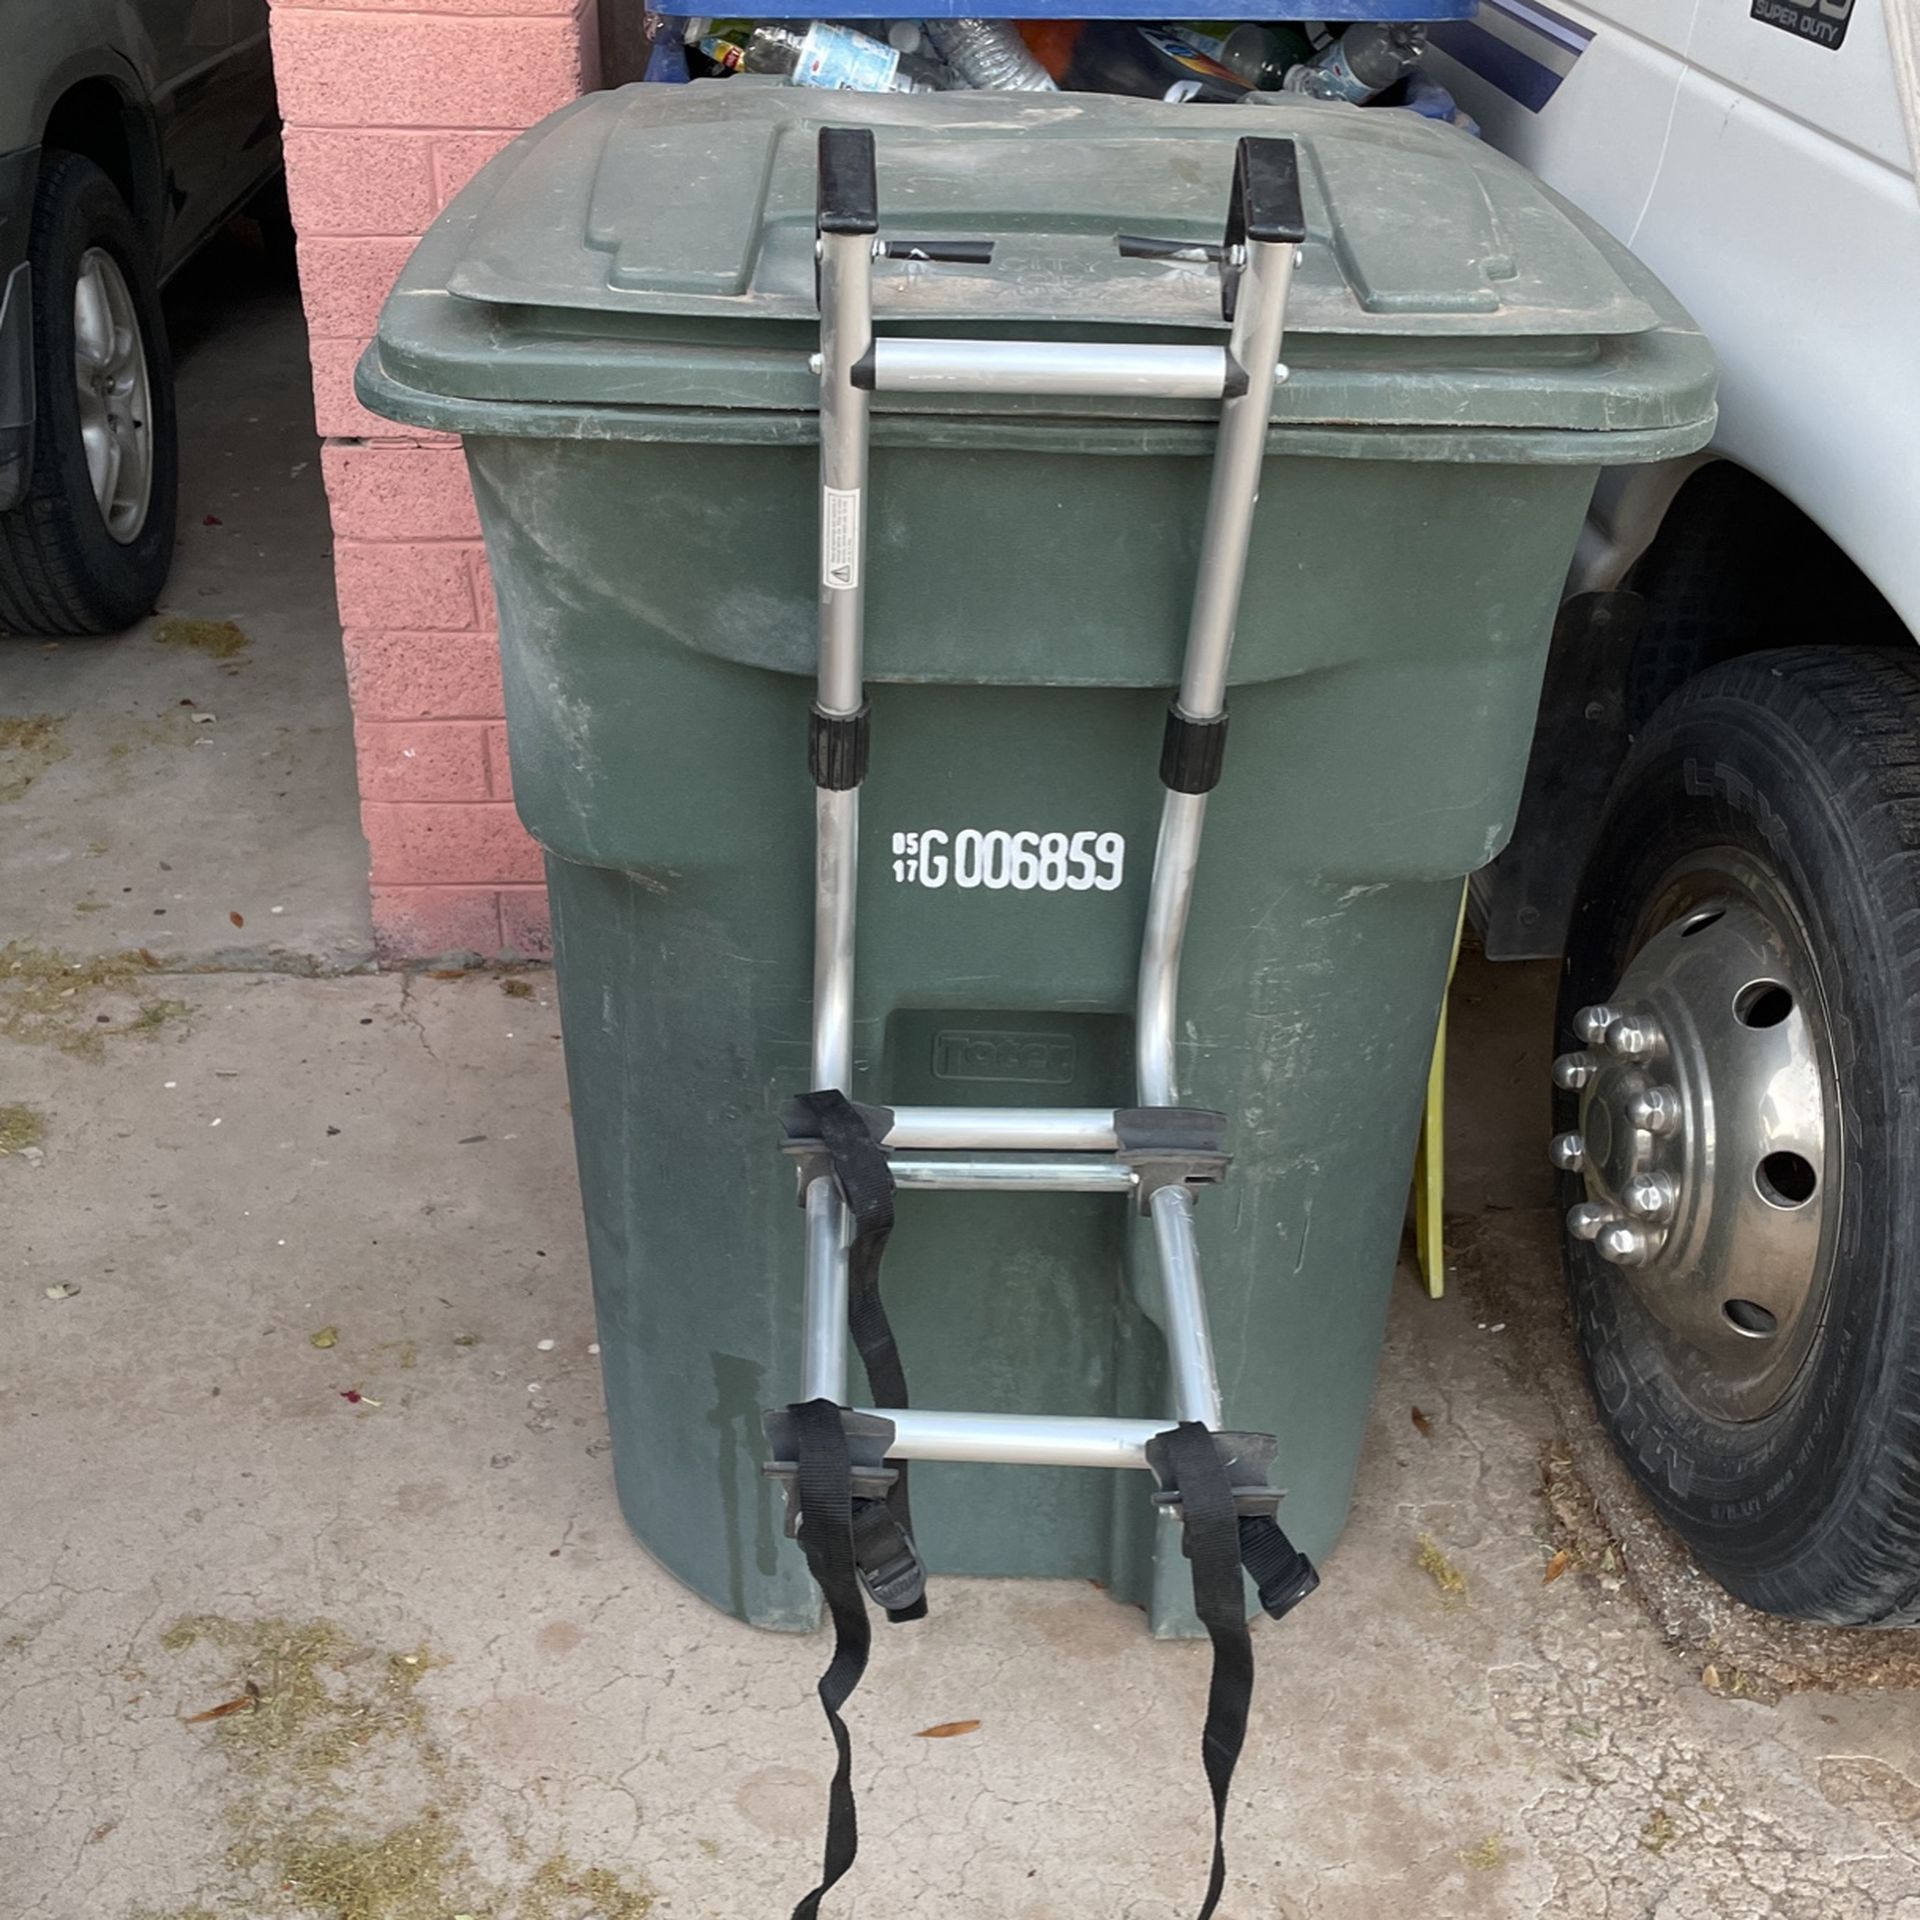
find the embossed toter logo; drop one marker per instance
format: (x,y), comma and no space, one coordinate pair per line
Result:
(1035,1059)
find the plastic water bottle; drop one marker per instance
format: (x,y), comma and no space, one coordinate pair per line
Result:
(829,56)
(1262,56)
(1367,59)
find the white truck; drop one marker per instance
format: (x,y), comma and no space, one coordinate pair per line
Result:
(1721,832)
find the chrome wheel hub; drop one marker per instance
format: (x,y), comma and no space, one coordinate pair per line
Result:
(1708,1135)
(110,377)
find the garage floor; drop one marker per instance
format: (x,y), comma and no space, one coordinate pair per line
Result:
(201,765)
(314,1597)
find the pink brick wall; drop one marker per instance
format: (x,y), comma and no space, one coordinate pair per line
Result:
(390,108)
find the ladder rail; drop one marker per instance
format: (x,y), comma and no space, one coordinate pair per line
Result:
(835,878)
(823,1359)
(1259,324)
(846,334)
(1233,493)
(1190,1362)
(1176,859)
(846,329)
(846,326)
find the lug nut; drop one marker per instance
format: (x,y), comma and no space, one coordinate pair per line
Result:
(1657,1109)
(1567,1151)
(1591,1024)
(1633,1039)
(1586,1221)
(1651,1195)
(1572,1071)
(1623,1243)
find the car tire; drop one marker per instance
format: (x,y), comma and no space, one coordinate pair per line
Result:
(75,556)
(1772,806)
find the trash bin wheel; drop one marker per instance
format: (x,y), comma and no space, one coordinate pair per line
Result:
(88,549)
(1739,1106)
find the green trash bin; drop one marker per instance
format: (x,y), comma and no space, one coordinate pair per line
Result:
(618,316)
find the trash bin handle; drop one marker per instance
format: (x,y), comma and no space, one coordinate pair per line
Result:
(972,253)
(1144,246)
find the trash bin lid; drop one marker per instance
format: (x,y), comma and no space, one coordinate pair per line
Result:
(653,247)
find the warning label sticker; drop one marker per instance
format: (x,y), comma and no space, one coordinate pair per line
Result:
(840,536)
(1824,22)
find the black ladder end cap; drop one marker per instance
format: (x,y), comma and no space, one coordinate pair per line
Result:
(849,195)
(1267,190)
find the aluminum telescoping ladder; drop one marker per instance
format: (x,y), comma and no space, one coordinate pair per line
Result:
(852,1157)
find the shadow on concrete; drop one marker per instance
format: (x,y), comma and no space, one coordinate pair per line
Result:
(189,785)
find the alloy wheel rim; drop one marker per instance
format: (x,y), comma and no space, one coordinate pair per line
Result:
(1710,1136)
(110,377)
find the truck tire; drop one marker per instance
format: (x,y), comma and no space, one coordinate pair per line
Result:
(1740,1105)
(88,549)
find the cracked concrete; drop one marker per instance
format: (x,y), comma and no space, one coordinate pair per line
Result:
(175,1444)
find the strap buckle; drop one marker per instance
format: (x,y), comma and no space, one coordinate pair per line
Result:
(884,1554)
(889,1564)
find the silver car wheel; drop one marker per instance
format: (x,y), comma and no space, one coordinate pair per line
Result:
(1709,1136)
(110,375)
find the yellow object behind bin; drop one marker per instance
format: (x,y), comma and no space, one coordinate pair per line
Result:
(1430,1159)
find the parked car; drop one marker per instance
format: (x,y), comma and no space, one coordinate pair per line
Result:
(129,130)
(1722,824)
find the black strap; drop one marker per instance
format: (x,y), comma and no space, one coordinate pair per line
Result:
(825,1482)
(866,1184)
(853,1540)
(1212,1530)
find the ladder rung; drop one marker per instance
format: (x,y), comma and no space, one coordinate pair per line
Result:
(1050,367)
(1019,1439)
(1005,1129)
(1010,1172)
